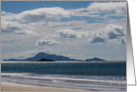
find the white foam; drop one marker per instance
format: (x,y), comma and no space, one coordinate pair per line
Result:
(56,77)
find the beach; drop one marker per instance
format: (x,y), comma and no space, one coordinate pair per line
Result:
(6,86)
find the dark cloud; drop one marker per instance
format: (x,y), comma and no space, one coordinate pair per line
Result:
(68,33)
(9,29)
(98,40)
(123,41)
(65,35)
(112,35)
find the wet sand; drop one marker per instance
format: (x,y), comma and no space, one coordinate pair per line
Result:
(6,86)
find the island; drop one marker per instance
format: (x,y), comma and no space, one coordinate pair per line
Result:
(46,60)
(41,56)
(95,59)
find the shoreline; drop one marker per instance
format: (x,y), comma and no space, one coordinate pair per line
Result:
(8,86)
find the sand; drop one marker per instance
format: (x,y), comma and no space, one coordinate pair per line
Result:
(6,86)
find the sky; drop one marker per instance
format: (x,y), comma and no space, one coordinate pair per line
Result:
(76,29)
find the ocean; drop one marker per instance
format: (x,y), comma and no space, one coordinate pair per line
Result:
(101,76)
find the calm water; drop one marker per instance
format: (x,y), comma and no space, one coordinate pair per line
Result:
(84,75)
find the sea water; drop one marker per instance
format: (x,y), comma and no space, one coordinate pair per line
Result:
(100,76)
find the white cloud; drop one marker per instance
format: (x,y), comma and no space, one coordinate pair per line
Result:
(101,10)
(9,26)
(48,42)
(16,27)
(43,14)
(40,14)
(69,33)
(118,8)
(5,13)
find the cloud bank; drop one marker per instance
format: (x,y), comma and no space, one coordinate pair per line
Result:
(103,35)
(20,23)
(40,14)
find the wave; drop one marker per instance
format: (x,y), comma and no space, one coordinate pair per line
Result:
(69,81)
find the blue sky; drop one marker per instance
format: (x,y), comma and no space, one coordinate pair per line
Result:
(18,6)
(11,6)
(76,29)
